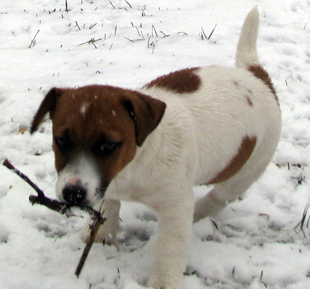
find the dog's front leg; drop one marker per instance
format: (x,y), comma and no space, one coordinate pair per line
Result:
(170,252)
(107,232)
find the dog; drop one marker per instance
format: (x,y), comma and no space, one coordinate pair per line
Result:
(208,125)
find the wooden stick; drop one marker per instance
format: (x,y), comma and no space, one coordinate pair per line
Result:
(33,41)
(9,165)
(93,233)
(63,208)
(41,199)
(66,3)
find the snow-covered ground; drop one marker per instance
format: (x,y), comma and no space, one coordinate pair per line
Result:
(127,43)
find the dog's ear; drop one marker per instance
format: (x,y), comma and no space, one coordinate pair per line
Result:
(146,113)
(48,105)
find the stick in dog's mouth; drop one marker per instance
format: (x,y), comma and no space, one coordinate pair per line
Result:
(64,209)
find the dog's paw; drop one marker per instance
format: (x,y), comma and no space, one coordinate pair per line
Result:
(104,235)
(164,283)
(158,285)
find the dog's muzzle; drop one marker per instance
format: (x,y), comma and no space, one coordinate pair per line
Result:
(80,183)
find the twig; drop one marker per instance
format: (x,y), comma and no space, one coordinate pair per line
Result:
(112,5)
(33,41)
(138,30)
(76,24)
(92,26)
(67,9)
(214,224)
(154,29)
(9,165)
(165,35)
(128,4)
(304,218)
(203,34)
(133,40)
(211,32)
(63,208)
(91,41)
(93,233)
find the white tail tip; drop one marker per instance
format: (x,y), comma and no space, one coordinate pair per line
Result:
(246,48)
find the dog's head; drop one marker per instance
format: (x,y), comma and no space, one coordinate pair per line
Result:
(96,131)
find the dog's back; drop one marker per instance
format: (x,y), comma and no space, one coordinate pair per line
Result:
(229,118)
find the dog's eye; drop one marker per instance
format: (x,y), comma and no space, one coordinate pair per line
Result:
(62,142)
(105,147)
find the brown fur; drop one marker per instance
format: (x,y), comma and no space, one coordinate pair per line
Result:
(249,100)
(259,72)
(245,150)
(182,81)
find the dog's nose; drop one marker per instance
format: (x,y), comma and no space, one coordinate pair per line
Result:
(74,195)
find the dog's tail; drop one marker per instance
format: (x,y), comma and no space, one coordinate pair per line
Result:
(246,55)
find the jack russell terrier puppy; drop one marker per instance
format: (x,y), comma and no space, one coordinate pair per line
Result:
(209,125)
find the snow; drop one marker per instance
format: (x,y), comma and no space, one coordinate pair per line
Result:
(253,243)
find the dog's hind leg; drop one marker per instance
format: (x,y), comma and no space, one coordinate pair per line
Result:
(209,205)
(216,200)
(226,192)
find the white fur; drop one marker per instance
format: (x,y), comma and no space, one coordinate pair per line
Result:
(84,108)
(83,170)
(197,137)
(246,48)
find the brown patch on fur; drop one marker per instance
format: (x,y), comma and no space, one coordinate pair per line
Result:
(236,83)
(249,100)
(259,72)
(237,162)
(182,81)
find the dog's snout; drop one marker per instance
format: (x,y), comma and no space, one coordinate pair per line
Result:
(74,195)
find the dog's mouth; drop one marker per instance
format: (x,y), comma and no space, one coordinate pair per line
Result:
(77,191)
(79,183)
